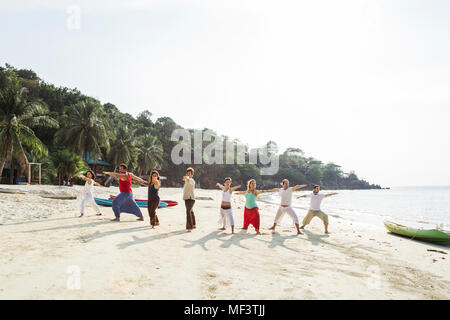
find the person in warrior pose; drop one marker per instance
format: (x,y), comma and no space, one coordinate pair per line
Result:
(285,205)
(225,208)
(251,211)
(189,198)
(89,192)
(314,209)
(154,183)
(124,202)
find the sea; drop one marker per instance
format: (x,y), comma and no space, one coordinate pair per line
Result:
(424,207)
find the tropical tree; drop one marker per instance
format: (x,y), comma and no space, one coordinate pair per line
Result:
(83,130)
(123,148)
(68,164)
(150,154)
(18,117)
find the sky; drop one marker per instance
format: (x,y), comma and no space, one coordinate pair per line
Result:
(363,84)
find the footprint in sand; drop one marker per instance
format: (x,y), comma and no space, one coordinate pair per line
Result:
(225,283)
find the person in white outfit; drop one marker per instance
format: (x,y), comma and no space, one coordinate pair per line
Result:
(89,192)
(285,204)
(226,214)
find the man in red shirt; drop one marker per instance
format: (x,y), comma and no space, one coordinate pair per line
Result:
(124,202)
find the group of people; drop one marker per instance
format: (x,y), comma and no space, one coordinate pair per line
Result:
(125,202)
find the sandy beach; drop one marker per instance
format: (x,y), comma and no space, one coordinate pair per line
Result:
(44,247)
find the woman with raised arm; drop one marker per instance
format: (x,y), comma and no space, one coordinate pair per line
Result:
(124,202)
(225,208)
(154,183)
(251,211)
(89,192)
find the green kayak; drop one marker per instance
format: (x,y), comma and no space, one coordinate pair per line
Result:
(436,236)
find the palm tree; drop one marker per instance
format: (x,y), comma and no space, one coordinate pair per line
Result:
(123,148)
(68,164)
(150,154)
(17,118)
(83,130)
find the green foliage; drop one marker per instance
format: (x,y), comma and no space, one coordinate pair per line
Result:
(67,165)
(150,154)
(18,117)
(31,110)
(82,129)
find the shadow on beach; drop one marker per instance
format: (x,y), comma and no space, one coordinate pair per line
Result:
(279,241)
(236,239)
(315,239)
(77,226)
(203,240)
(43,219)
(98,234)
(137,240)
(431,244)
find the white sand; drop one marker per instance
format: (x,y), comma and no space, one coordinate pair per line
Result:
(43,244)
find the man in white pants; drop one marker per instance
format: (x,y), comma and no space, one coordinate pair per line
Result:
(285,205)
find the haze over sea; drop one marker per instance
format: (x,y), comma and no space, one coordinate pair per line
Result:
(425,207)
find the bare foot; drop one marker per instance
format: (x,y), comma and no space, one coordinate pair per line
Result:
(116,219)
(81,215)
(221,228)
(299,232)
(189,230)
(98,214)
(302,227)
(140,219)
(272,228)
(327,232)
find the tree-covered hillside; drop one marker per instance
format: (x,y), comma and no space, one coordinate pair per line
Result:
(58,126)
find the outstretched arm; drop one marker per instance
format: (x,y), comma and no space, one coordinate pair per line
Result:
(138,179)
(331,194)
(303,196)
(235,188)
(98,184)
(298,187)
(82,177)
(266,191)
(117,175)
(89,180)
(241,192)
(220,186)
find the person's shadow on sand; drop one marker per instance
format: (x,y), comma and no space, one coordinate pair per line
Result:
(203,240)
(137,240)
(98,234)
(316,239)
(279,240)
(77,226)
(236,239)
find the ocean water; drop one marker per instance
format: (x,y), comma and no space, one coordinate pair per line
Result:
(427,207)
